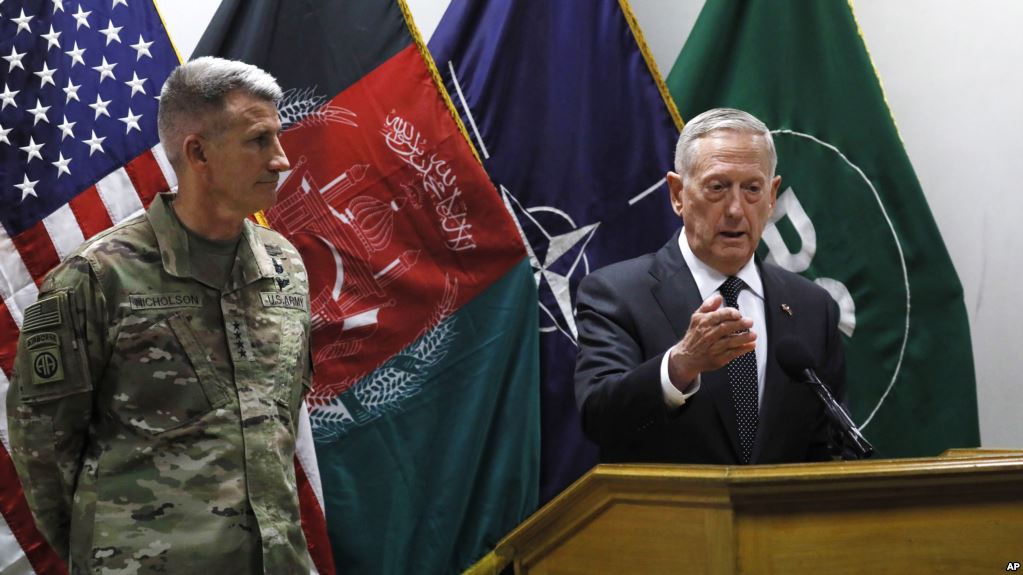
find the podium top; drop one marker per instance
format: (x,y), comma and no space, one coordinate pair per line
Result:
(739,490)
(950,467)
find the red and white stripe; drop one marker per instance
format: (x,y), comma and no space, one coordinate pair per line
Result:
(310,497)
(26,258)
(24,262)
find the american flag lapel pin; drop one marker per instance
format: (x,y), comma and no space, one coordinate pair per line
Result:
(785,308)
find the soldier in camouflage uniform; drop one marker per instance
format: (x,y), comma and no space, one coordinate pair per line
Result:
(158,381)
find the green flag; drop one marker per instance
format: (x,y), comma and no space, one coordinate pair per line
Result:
(850,214)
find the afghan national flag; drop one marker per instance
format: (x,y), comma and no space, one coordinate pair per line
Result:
(850,213)
(425,405)
(577,129)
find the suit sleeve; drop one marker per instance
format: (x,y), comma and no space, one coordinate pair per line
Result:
(617,388)
(49,403)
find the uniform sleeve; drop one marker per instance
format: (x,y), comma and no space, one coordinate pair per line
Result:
(307,345)
(299,353)
(49,404)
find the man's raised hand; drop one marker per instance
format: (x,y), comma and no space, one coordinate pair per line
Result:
(716,336)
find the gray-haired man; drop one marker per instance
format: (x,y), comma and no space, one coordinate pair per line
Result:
(676,360)
(159,434)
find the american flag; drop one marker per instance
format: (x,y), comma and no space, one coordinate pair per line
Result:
(79,152)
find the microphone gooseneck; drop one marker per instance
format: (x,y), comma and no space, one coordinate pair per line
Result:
(796,361)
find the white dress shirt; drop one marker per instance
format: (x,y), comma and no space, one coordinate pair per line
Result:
(751,305)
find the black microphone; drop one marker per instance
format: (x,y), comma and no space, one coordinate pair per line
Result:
(797,362)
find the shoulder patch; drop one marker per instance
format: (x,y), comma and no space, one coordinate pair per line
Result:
(43,339)
(47,365)
(43,313)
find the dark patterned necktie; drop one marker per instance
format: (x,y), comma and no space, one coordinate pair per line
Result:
(742,375)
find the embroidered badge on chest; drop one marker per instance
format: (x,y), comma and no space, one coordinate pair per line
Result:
(281,278)
(278,299)
(277,256)
(164,300)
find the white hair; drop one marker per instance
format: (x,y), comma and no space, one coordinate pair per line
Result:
(195,94)
(712,121)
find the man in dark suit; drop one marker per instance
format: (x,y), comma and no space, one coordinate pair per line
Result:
(676,348)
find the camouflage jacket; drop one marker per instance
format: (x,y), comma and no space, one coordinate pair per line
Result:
(153,418)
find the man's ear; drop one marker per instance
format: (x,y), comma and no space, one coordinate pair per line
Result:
(675,191)
(195,152)
(775,184)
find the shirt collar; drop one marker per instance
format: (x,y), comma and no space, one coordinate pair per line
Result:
(173,242)
(709,280)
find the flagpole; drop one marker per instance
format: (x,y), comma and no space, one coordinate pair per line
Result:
(435,74)
(651,64)
(163,22)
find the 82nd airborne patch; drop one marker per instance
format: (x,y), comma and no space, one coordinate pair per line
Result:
(45,360)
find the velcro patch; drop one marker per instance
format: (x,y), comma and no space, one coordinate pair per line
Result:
(280,299)
(46,338)
(43,313)
(164,300)
(47,365)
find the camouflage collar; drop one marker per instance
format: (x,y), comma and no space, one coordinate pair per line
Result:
(252,261)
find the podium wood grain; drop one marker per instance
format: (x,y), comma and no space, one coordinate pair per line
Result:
(959,513)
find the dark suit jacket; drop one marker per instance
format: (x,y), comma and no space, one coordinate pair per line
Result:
(630,313)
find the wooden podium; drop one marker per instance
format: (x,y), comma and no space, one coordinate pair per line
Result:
(959,513)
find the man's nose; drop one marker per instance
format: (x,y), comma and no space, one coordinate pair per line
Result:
(733,203)
(279,161)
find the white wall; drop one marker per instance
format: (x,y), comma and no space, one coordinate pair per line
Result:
(951,69)
(953,75)
(185,21)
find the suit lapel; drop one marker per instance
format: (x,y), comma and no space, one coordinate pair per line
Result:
(675,291)
(775,382)
(678,297)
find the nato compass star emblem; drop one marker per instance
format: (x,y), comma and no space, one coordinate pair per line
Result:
(557,252)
